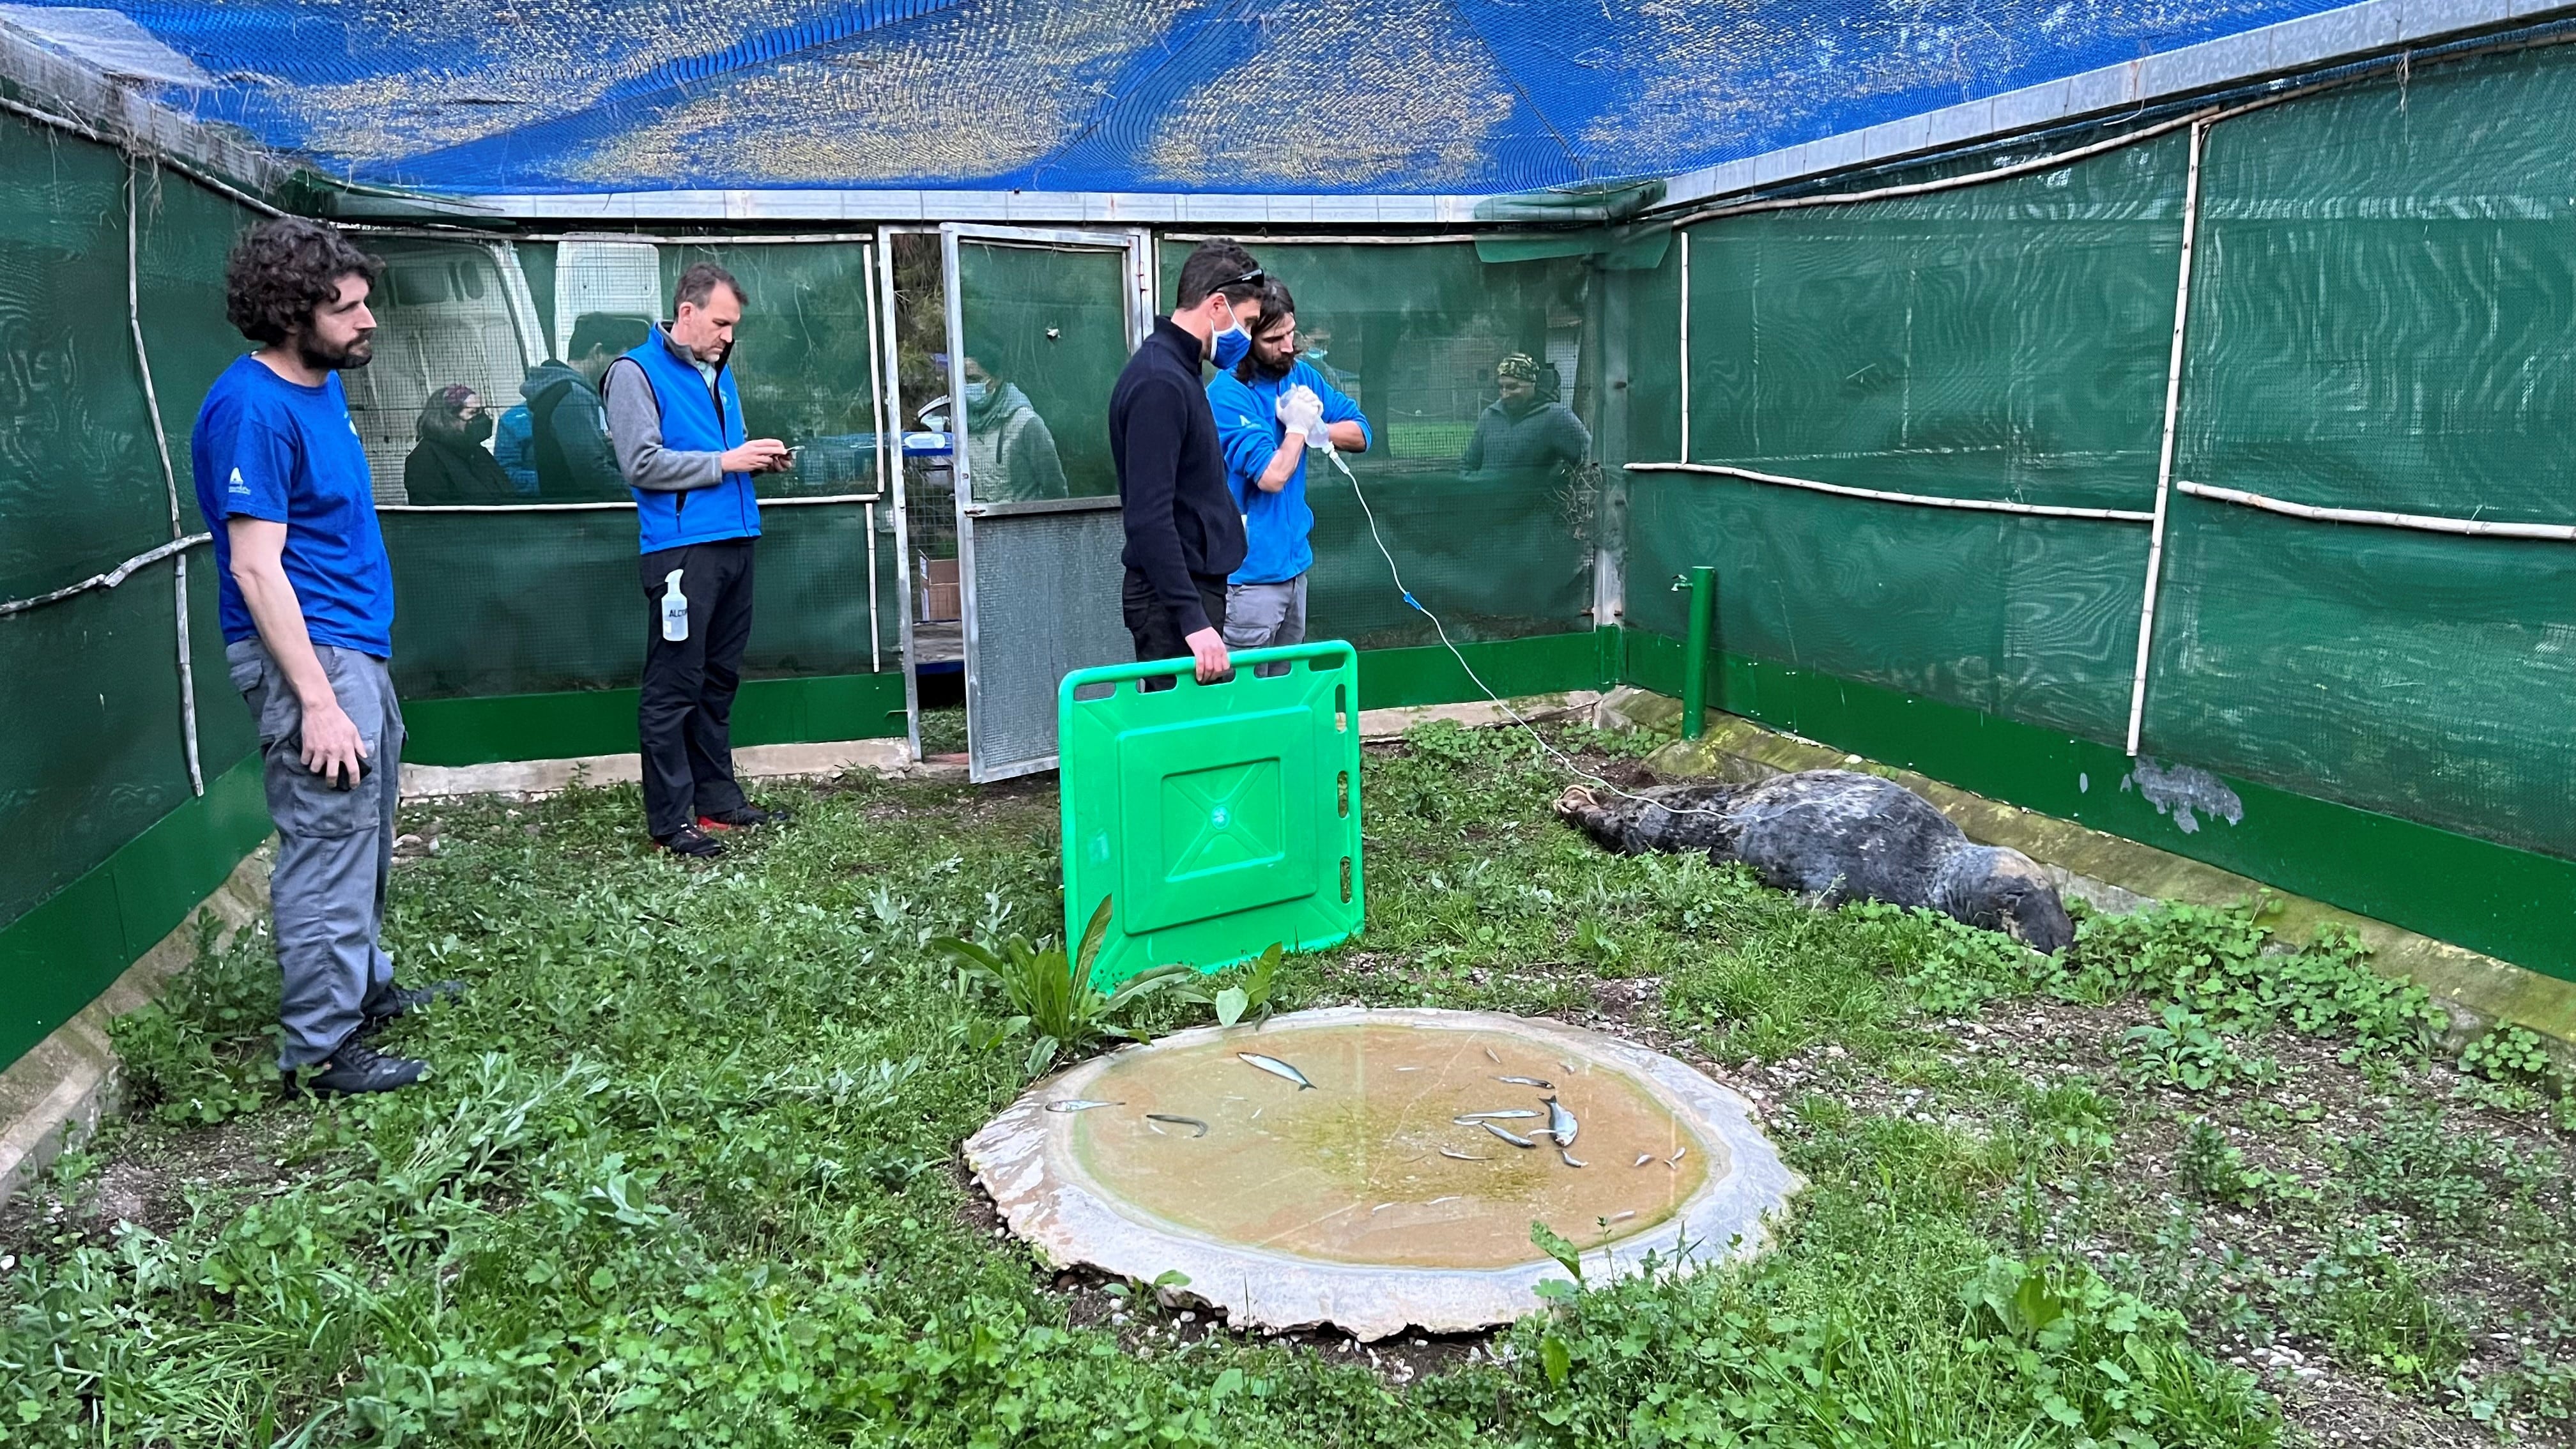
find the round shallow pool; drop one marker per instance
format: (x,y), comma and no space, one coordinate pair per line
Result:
(1397,1186)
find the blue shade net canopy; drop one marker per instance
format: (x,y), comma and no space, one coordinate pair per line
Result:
(1340,97)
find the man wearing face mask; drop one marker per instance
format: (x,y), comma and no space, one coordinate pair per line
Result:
(1270,410)
(1010,452)
(1184,535)
(1521,436)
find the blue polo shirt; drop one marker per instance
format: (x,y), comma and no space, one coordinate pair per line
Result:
(276,450)
(1277,526)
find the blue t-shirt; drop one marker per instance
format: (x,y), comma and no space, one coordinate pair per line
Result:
(276,450)
(1276,526)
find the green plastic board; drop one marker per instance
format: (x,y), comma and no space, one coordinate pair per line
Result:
(1218,819)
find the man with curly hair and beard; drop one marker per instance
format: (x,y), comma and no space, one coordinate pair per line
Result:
(306,599)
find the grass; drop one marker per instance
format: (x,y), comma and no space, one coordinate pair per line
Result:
(686,1173)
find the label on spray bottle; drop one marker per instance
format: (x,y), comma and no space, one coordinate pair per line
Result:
(675,609)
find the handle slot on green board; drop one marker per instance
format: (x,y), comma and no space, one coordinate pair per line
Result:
(1343,789)
(1346,880)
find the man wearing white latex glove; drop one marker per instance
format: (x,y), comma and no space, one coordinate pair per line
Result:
(1270,409)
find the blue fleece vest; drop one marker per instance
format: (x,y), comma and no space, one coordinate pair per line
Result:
(694,422)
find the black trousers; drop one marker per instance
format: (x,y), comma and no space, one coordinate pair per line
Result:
(685,715)
(1157,634)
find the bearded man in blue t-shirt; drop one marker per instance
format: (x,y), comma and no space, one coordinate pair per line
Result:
(306,599)
(1271,409)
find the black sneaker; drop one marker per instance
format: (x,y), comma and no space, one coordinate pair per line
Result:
(744,818)
(690,841)
(355,1068)
(401,1001)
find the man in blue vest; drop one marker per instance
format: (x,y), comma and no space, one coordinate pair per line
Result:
(676,422)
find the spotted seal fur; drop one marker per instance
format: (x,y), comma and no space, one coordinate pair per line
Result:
(1836,835)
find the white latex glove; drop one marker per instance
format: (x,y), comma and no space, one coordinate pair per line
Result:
(1303,412)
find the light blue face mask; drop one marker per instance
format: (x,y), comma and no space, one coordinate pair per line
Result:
(977,392)
(1232,343)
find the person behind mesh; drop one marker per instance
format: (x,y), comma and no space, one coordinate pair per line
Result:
(514,448)
(1010,451)
(1521,434)
(676,422)
(305,595)
(568,447)
(448,463)
(1269,411)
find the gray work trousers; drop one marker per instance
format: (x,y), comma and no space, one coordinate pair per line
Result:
(335,848)
(1266,616)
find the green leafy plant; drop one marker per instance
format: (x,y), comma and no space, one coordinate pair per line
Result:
(1246,997)
(2428,1169)
(204,1051)
(2221,963)
(2510,1054)
(2214,1168)
(2105,1364)
(2181,1049)
(1593,942)
(2377,1310)
(1052,999)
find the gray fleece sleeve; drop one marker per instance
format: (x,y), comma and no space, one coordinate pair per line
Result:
(635,430)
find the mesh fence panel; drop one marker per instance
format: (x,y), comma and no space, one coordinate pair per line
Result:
(90,709)
(527,603)
(185,233)
(1047,330)
(1998,341)
(506,601)
(803,362)
(2032,618)
(1413,334)
(2424,676)
(2384,317)
(2005,341)
(80,483)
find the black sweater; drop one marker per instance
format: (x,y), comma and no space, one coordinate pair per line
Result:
(1181,519)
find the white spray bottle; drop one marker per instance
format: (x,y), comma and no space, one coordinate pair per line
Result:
(675,608)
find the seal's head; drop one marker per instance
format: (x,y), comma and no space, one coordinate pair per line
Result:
(2003,890)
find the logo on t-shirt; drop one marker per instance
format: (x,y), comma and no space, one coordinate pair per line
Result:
(237,485)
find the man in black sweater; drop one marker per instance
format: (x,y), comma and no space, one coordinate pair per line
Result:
(1183,533)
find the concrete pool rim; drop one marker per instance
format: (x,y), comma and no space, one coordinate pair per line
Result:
(1025,1160)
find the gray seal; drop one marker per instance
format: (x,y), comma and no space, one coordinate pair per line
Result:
(1836,836)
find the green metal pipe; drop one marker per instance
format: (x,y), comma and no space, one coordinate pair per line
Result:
(1703,610)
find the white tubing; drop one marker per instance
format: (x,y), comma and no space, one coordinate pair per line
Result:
(1685,317)
(2200,120)
(2049,162)
(2165,448)
(1919,500)
(2420,522)
(107,580)
(88,132)
(169,475)
(876,419)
